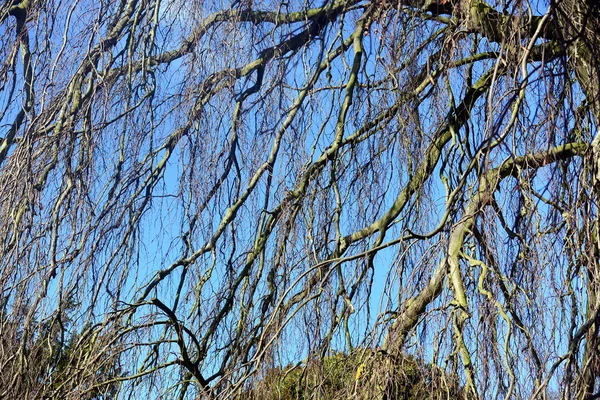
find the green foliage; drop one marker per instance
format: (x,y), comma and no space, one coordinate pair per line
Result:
(66,377)
(361,375)
(61,360)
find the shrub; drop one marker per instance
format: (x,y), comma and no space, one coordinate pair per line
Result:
(363,374)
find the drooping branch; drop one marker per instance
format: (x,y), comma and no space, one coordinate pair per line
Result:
(488,184)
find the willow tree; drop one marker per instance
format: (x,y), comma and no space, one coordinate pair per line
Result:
(195,193)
